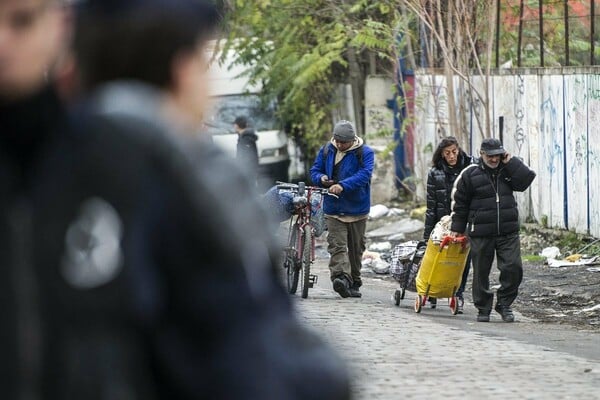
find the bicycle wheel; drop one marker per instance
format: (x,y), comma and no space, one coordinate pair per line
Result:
(306,260)
(292,263)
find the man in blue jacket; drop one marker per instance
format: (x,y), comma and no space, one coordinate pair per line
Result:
(345,166)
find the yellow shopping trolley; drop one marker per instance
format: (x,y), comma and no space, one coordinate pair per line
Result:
(441,271)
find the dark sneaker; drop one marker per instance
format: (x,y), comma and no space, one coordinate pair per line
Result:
(342,287)
(505,312)
(354,292)
(433,302)
(461,304)
(483,316)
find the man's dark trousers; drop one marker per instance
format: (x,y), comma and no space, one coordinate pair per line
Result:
(508,254)
(346,246)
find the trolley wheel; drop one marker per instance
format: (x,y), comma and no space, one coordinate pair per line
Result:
(453,305)
(418,303)
(397,297)
(403,293)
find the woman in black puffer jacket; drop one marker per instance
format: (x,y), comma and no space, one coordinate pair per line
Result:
(447,162)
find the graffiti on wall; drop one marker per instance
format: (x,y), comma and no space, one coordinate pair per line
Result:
(519,113)
(554,122)
(379,120)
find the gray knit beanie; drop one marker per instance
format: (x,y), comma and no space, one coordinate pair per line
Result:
(344,131)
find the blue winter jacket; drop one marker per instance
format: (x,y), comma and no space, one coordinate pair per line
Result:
(354,176)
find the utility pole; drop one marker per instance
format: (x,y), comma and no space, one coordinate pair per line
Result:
(541,19)
(592,31)
(520,37)
(567,61)
(497,33)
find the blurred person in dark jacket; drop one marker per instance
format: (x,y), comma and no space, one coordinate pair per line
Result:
(133,269)
(33,41)
(247,153)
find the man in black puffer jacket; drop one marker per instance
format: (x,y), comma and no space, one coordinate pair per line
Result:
(483,205)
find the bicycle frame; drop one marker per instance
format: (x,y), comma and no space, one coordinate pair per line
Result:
(302,222)
(298,255)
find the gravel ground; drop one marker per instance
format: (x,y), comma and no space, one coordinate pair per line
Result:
(561,295)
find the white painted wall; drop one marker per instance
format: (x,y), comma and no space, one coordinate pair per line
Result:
(551,121)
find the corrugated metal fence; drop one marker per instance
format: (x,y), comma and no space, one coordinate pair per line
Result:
(551,120)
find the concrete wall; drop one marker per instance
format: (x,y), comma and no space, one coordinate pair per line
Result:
(379,124)
(551,120)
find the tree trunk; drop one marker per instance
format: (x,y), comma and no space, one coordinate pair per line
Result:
(357,83)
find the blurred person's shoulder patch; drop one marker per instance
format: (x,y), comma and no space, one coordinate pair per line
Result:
(93,254)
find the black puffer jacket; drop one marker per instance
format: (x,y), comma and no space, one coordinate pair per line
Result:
(483,198)
(247,152)
(439,186)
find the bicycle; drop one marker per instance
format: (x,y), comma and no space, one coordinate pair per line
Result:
(300,250)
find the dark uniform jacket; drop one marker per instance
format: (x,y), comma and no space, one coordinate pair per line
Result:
(247,153)
(440,181)
(483,203)
(131,270)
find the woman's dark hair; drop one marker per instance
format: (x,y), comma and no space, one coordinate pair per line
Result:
(445,142)
(139,43)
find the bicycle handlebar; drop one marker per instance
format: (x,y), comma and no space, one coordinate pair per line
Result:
(295,188)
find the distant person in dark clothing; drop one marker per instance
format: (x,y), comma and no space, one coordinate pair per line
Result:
(247,153)
(484,208)
(447,162)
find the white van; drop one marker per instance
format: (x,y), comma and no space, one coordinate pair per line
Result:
(233,96)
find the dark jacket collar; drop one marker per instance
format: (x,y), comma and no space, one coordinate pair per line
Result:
(26,126)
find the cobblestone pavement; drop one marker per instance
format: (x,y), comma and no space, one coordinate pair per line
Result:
(394,353)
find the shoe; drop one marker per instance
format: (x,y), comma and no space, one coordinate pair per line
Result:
(505,312)
(433,302)
(355,291)
(483,316)
(342,287)
(460,306)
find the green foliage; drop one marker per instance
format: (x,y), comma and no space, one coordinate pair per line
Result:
(553,31)
(569,242)
(299,52)
(533,258)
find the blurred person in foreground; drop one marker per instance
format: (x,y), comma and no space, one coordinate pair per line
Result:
(33,38)
(135,271)
(485,209)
